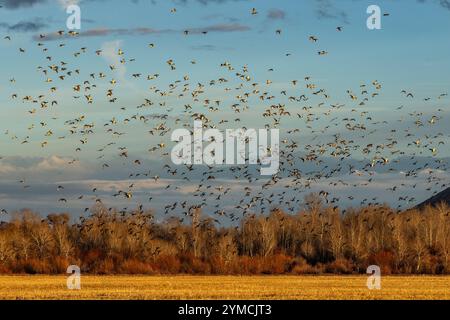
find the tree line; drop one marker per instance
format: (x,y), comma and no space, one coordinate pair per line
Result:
(318,239)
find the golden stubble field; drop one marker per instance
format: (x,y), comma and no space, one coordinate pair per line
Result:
(224,287)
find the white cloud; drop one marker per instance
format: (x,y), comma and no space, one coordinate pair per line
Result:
(110,52)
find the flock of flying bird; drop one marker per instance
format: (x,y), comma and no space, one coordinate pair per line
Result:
(323,142)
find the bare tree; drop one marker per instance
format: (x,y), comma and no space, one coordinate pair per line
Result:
(6,249)
(337,239)
(267,235)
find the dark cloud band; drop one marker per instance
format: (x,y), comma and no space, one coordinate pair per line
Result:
(24,26)
(14,4)
(233,27)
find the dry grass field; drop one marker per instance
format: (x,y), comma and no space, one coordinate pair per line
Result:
(224,287)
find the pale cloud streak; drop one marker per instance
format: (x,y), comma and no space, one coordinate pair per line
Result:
(142,31)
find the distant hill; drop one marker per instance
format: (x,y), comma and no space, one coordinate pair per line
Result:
(443,196)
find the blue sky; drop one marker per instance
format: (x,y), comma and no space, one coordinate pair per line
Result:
(409,53)
(410,50)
